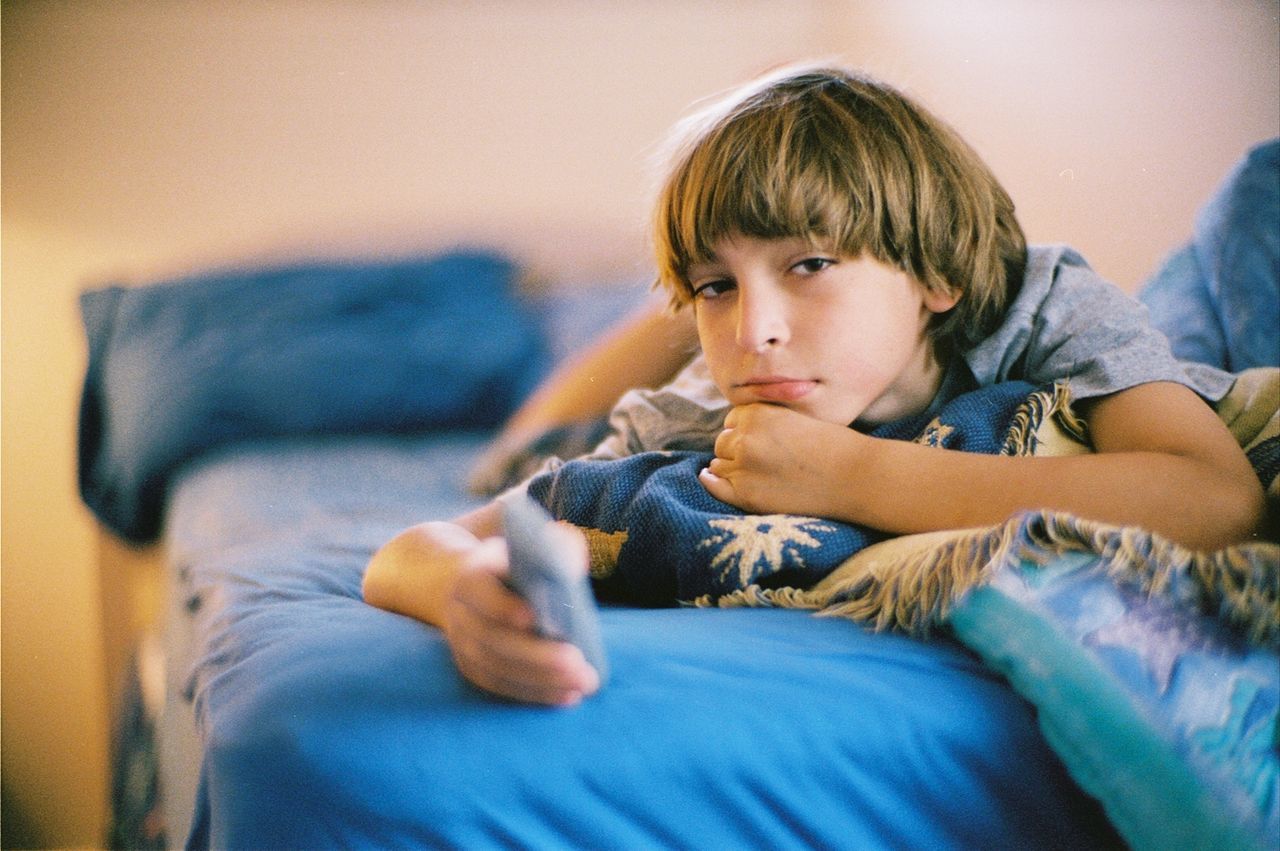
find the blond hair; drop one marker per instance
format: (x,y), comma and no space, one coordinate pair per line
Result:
(845,160)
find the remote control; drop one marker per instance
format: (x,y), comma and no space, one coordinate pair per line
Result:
(542,572)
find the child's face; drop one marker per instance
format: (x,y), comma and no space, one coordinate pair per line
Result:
(837,338)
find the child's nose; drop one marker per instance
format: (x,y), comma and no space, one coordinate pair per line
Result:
(762,321)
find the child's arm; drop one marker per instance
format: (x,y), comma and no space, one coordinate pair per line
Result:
(1164,462)
(645,349)
(449,575)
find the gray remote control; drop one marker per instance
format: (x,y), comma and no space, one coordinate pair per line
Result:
(542,573)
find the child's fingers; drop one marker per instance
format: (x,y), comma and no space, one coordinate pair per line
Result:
(554,673)
(727,443)
(517,663)
(716,485)
(490,633)
(483,592)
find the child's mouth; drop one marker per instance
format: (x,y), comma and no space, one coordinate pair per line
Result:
(778,388)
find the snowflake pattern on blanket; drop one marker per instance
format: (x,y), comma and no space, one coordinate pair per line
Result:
(657,537)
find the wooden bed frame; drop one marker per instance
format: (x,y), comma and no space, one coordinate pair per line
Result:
(132,592)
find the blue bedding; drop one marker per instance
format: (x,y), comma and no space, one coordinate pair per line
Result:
(327,723)
(273,472)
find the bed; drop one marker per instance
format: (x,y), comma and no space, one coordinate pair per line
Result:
(266,429)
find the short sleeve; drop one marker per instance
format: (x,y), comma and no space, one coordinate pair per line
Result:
(1067,323)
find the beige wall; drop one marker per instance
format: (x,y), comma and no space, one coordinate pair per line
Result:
(141,138)
(1109,121)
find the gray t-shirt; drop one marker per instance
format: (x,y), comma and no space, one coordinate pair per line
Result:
(1066,323)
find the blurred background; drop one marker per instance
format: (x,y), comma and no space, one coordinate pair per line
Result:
(143,139)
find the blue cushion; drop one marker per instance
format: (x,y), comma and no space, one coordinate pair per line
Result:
(181,367)
(1217,298)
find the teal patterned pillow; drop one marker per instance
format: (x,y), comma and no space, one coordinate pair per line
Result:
(1164,714)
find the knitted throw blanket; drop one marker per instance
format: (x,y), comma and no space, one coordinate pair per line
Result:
(658,538)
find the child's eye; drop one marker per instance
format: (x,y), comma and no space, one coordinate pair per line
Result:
(812,265)
(711,289)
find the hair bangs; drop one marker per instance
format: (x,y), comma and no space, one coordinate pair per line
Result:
(854,166)
(770,175)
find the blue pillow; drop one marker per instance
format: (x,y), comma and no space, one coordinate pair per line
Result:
(1217,297)
(176,369)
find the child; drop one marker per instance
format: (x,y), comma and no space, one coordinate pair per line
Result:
(849,261)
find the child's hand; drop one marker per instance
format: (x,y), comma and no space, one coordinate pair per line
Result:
(444,574)
(489,629)
(772,460)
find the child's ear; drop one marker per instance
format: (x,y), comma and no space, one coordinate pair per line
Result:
(941,301)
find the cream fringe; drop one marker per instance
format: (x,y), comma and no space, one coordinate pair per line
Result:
(1044,409)
(910,584)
